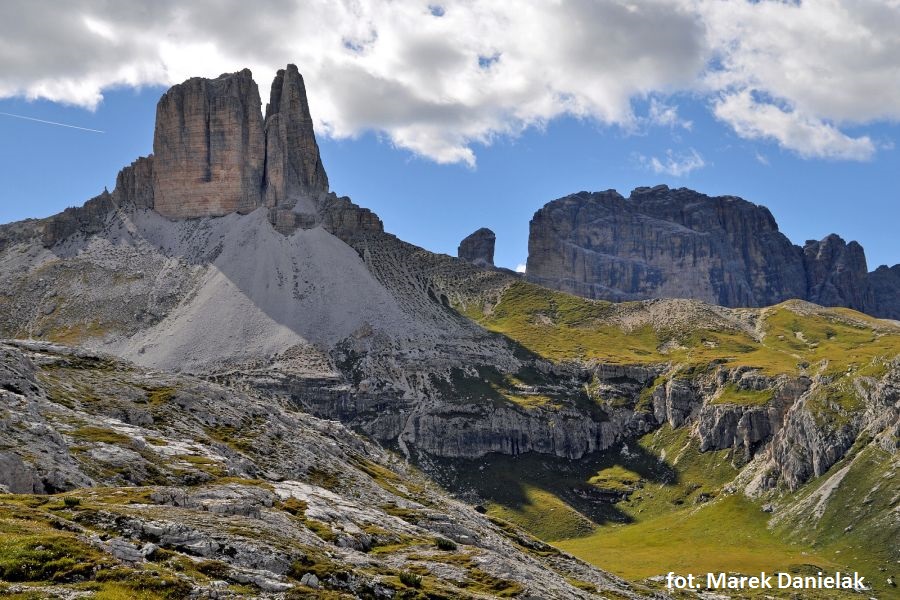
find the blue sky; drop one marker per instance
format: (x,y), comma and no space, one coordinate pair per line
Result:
(447,116)
(46,168)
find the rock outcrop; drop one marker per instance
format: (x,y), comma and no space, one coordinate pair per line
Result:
(87,219)
(679,243)
(302,499)
(134,185)
(885,283)
(214,155)
(209,147)
(293,166)
(664,243)
(836,274)
(478,248)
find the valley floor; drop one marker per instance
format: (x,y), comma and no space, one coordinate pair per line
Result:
(644,509)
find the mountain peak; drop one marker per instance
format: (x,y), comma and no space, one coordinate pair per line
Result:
(293,166)
(214,154)
(209,148)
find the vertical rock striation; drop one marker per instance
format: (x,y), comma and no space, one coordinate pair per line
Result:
(664,243)
(293,166)
(134,184)
(478,248)
(209,147)
(214,154)
(679,243)
(837,274)
(886,290)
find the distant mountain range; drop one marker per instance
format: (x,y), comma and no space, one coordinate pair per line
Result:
(665,243)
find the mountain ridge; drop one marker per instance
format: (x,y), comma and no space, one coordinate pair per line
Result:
(662,242)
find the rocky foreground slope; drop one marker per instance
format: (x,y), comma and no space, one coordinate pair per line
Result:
(665,243)
(178,487)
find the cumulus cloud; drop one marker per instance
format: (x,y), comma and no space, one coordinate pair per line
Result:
(520,268)
(674,164)
(806,135)
(439,78)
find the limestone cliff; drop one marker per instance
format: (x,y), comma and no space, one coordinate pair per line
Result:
(209,147)
(837,275)
(215,155)
(679,243)
(293,165)
(478,248)
(664,243)
(886,289)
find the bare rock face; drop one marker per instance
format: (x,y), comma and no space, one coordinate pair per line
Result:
(293,165)
(209,148)
(134,184)
(87,219)
(346,220)
(837,274)
(885,283)
(664,243)
(478,248)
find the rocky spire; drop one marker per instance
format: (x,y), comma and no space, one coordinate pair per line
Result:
(837,274)
(293,166)
(478,248)
(209,147)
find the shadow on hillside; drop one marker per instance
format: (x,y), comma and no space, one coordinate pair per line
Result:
(507,480)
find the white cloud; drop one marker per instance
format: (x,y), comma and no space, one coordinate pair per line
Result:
(674,164)
(437,82)
(666,115)
(520,268)
(806,135)
(434,82)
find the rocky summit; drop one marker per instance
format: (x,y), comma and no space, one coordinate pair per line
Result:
(214,154)
(222,380)
(665,243)
(478,247)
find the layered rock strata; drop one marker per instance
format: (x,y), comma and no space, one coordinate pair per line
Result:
(209,147)
(214,154)
(679,243)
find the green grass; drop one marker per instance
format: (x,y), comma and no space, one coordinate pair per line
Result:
(43,555)
(729,535)
(158,396)
(615,479)
(544,515)
(90,433)
(561,327)
(33,549)
(857,520)
(731,394)
(663,505)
